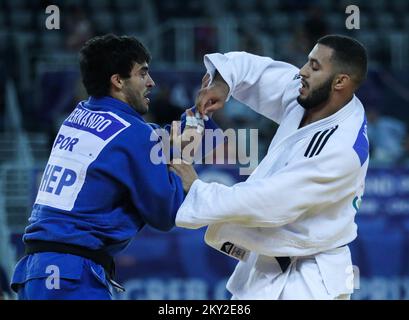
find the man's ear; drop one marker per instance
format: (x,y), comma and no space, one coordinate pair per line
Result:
(341,81)
(116,81)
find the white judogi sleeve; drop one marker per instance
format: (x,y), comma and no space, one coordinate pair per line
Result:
(256,81)
(276,200)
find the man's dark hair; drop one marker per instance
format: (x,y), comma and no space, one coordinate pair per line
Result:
(103,56)
(349,56)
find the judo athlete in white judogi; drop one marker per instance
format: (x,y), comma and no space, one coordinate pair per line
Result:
(289,224)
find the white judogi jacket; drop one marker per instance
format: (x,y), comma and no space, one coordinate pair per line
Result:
(302,198)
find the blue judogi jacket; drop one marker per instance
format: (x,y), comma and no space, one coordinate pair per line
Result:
(100,185)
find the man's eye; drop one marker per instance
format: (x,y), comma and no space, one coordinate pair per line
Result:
(313,66)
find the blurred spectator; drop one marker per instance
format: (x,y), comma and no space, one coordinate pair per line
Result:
(63,88)
(5,292)
(179,96)
(250,43)
(298,43)
(71,96)
(240,114)
(205,41)
(294,5)
(162,109)
(386,135)
(404,158)
(295,50)
(2,105)
(78,27)
(315,25)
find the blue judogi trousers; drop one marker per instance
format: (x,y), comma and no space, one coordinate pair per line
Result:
(58,276)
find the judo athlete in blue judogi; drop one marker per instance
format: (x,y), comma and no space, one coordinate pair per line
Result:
(100,185)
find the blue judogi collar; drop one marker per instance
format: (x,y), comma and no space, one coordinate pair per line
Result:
(112,104)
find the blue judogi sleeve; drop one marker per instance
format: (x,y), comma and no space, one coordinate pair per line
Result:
(153,190)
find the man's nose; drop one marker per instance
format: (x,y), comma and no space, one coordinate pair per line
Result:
(303,71)
(150,82)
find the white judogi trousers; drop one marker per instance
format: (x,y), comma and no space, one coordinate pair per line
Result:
(261,278)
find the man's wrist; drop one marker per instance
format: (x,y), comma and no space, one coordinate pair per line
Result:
(189,186)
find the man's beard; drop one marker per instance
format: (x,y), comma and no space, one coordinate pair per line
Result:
(135,101)
(318,96)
